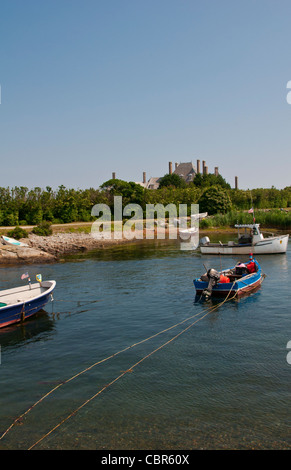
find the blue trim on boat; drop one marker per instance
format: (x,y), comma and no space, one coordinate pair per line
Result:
(10,314)
(244,284)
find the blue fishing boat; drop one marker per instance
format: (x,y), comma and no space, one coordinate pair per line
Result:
(241,279)
(19,303)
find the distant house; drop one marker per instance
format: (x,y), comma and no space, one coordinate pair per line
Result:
(153,183)
(187,171)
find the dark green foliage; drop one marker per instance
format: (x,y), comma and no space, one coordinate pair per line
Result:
(273,218)
(215,200)
(131,192)
(203,181)
(261,198)
(172,180)
(35,205)
(21,206)
(43,229)
(18,233)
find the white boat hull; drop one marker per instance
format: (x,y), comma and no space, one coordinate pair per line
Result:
(12,241)
(19,303)
(270,245)
(187,233)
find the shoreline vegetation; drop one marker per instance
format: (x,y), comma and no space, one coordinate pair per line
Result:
(72,238)
(24,207)
(54,223)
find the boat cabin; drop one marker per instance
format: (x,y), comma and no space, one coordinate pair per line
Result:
(249,234)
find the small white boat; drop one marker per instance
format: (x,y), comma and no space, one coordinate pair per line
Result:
(187,232)
(19,303)
(12,241)
(184,232)
(250,241)
(201,215)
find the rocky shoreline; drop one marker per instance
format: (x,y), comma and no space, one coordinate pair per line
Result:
(49,249)
(41,249)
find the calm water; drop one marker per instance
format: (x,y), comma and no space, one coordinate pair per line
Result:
(222,384)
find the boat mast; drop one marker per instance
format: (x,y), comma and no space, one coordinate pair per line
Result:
(252,208)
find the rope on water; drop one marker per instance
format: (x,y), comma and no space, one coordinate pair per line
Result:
(19,418)
(130,369)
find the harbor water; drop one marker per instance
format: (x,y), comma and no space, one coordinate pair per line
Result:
(150,366)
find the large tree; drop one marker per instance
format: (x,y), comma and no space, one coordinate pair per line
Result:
(210,180)
(215,200)
(172,180)
(131,192)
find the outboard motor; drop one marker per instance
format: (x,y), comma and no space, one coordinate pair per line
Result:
(204,241)
(213,277)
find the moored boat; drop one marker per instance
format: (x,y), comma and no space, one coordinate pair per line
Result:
(187,232)
(250,241)
(12,241)
(241,279)
(19,303)
(199,216)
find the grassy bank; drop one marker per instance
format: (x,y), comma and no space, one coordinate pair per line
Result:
(268,219)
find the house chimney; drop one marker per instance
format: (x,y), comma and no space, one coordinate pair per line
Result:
(170,168)
(144,177)
(216,171)
(198,166)
(176,165)
(113,176)
(236,182)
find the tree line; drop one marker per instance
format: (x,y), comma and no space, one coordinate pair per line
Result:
(24,206)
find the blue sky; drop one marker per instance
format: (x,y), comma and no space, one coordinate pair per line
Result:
(95,86)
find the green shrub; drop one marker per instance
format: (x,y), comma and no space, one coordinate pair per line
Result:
(18,233)
(43,229)
(215,200)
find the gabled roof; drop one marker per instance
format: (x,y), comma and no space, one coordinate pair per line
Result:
(187,171)
(153,183)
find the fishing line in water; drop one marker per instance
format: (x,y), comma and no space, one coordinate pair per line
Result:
(80,303)
(130,369)
(19,418)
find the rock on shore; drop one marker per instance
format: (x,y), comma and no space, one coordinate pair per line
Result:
(16,255)
(42,249)
(64,243)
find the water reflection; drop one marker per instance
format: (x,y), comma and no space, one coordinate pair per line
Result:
(143,249)
(38,328)
(229,378)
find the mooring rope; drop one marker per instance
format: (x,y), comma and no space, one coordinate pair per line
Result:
(130,369)
(111,383)
(19,418)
